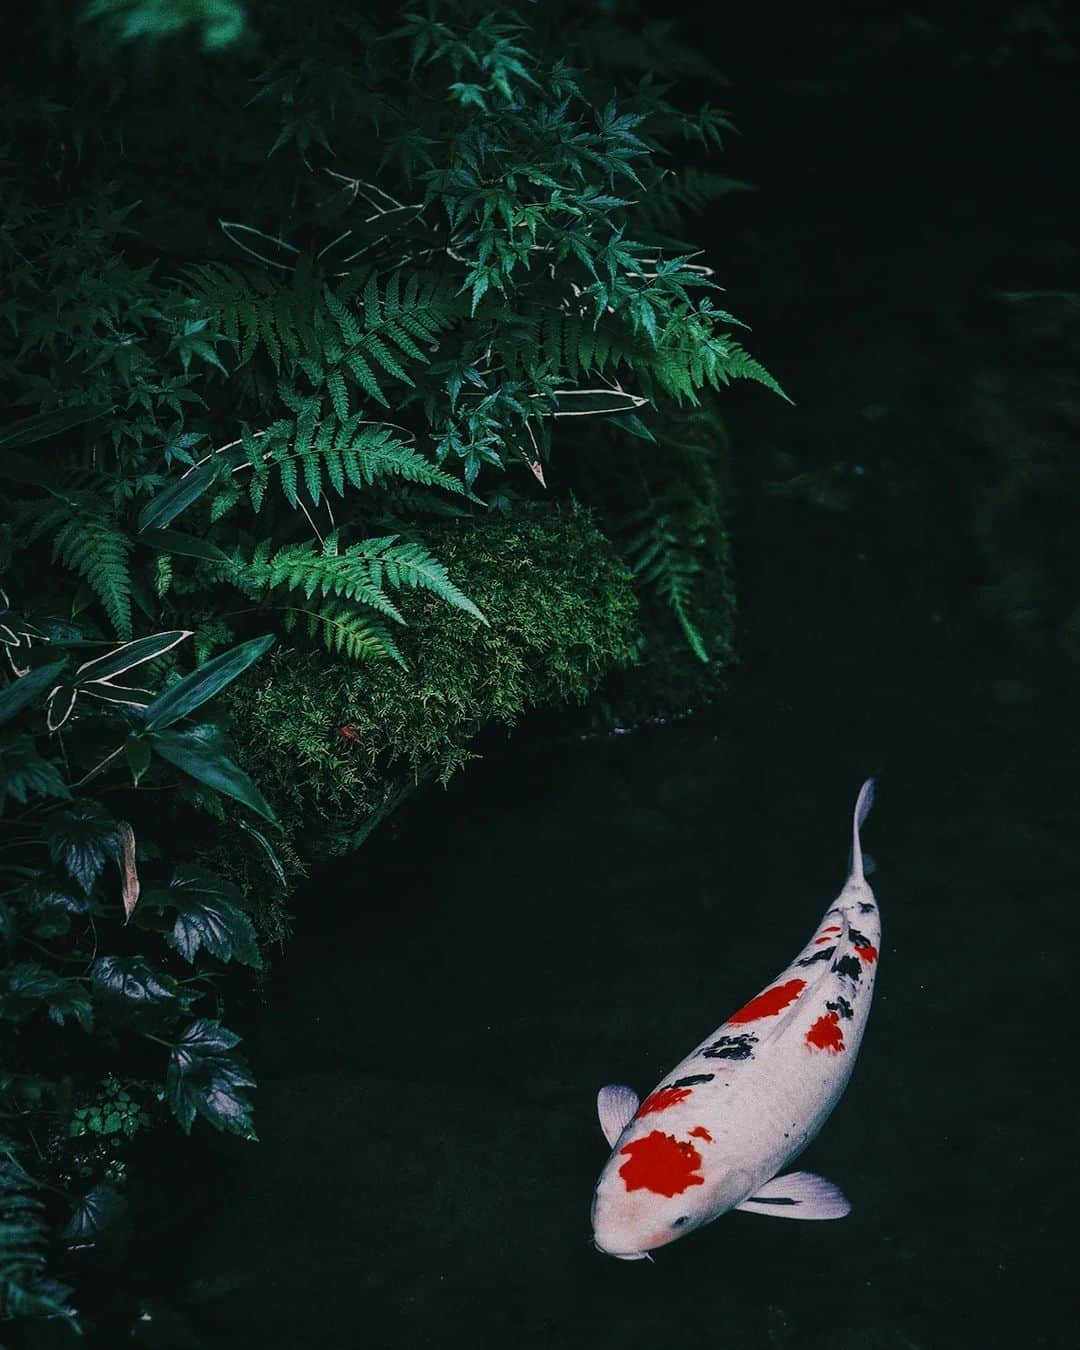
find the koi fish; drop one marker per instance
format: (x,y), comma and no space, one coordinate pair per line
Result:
(715,1134)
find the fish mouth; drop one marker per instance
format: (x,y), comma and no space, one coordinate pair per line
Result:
(622,1256)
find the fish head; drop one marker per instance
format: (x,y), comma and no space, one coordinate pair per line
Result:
(654,1191)
(629,1226)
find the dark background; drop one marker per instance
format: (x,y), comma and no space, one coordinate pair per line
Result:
(578,910)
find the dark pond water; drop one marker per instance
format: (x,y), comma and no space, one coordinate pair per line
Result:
(575,912)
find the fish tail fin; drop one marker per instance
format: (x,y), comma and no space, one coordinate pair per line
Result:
(863,803)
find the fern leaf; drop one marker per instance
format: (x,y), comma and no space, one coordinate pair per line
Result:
(347,576)
(410,564)
(90,544)
(665,557)
(377,454)
(339,394)
(365,378)
(344,633)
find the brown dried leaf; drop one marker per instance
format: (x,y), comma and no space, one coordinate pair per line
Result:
(128,870)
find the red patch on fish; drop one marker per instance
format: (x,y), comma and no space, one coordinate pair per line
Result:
(835,928)
(826,1034)
(702,1133)
(662,1164)
(819,941)
(660,1101)
(769,1003)
(868,954)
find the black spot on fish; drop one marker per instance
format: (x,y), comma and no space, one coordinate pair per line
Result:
(780,1200)
(841,1006)
(857,938)
(731,1047)
(848,965)
(694,1078)
(822,955)
(865,908)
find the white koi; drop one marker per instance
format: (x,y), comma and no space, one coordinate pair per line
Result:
(716,1132)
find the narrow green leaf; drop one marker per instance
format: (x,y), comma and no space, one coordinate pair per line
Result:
(129,655)
(194,689)
(26,688)
(166,505)
(39,427)
(138,755)
(198,752)
(187,545)
(267,848)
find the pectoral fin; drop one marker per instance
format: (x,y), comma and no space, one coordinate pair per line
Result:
(616,1106)
(799,1195)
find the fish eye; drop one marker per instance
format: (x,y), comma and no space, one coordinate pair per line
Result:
(684,1218)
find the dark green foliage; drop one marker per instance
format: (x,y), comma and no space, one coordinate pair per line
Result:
(333,745)
(205,1078)
(334,363)
(218,22)
(25,1289)
(79,897)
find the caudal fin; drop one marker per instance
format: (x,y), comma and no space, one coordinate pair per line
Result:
(863,803)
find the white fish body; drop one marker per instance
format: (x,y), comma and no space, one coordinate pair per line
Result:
(715,1132)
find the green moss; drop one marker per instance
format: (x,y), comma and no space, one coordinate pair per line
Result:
(337,745)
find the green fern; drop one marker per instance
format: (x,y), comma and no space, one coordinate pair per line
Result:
(25,1291)
(667,557)
(333,453)
(88,540)
(344,632)
(359,574)
(356,334)
(682,192)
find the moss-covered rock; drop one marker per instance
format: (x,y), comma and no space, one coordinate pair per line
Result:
(336,746)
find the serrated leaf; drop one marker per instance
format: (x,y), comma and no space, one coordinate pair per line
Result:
(208,916)
(205,1078)
(71,1001)
(80,838)
(24,773)
(24,987)
(132,979)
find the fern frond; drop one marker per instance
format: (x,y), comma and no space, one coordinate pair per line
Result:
(334,452)
(343,632)
(685,192)
(410,564)
(346,576)
(91,544)
(666,557)
(360,573)
(25,1290)
(326,333)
